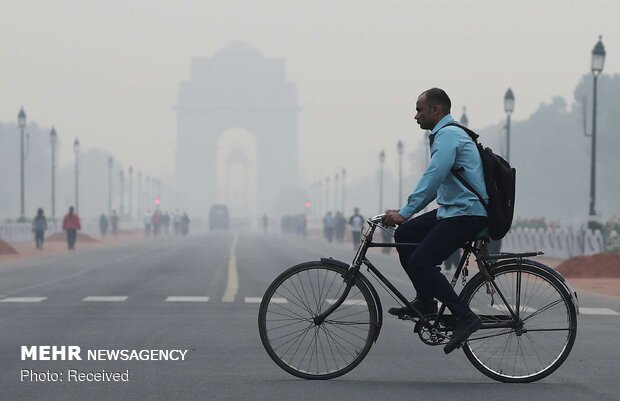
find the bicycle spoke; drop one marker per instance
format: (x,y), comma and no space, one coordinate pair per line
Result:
(307,349)
(533,345)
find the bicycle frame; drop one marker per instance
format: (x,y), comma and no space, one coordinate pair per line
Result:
(477,247)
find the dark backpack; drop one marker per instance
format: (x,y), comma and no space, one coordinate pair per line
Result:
(500,181)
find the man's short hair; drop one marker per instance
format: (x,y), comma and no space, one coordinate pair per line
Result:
(436,96)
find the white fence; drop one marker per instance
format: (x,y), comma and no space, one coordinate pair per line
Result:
(561,243)
(22,232)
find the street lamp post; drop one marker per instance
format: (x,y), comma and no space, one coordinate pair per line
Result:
(381,161)
(53,140)
(121,178)
(110,165)
(336,182)
(76,149)
(21,121)
(326,194)
(598,61)
(147,192)
(464,119)
(400,148)
(509,106)
(130,190)
(344,172)
(139,194)
(320,201)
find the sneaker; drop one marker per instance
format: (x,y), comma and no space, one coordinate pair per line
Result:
(425,308)
(464,327)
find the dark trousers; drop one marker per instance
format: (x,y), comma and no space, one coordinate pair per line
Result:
(357,237)
(438,239)
(38,238)
(71,236)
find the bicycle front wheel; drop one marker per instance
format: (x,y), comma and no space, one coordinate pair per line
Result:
(529,323)
(295,342)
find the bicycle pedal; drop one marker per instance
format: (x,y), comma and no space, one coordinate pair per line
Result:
(408,317)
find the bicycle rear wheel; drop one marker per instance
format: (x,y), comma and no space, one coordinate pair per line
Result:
(290,335)
(536,342)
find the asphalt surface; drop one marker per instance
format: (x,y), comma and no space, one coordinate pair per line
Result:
(57,301)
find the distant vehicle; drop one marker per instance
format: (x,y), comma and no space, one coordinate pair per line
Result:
(218,217)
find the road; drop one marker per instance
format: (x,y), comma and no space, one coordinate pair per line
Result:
(133,296)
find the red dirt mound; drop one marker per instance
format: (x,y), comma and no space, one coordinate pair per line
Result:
(63,237)
(599,265)
(6,249)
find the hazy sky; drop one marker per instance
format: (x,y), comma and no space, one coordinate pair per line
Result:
(108,71)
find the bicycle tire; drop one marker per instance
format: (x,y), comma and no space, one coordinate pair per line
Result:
(335,346)
(549,323)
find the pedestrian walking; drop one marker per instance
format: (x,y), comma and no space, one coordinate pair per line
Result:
(71,223)
(39,225)
(185,224)
(166,222)
(328,227)
(147,223)
(387,235)
(176,222)
(265,223)
(340,226)
(156,221)
(114,223)
(357,225)
(103,225)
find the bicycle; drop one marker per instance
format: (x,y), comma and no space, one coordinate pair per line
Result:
(319,319)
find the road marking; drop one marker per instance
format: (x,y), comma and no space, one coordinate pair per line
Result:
(598,311)
(105,299)
(233,277)
(348,301)
(502,308)
(23,299)
(187,299)
(258,300)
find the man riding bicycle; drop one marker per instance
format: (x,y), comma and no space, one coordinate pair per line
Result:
(459,218)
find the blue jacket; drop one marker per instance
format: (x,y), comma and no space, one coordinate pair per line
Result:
(451,149)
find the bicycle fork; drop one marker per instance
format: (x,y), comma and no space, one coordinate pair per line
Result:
(349,278)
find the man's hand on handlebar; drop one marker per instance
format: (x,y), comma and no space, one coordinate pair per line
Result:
(392,218)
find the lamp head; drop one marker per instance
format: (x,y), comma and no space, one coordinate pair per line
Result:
(509,101)
(598,57)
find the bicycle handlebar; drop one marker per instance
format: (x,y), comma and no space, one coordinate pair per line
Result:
(376,219)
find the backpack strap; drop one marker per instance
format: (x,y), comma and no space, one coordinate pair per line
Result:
(458,176)
(468,186)
(469,132)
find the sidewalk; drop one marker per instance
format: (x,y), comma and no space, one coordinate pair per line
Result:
(57,246)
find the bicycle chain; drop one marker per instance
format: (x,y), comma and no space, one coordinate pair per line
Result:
(465,272)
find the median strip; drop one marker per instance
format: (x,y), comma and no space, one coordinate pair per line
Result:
(233,277)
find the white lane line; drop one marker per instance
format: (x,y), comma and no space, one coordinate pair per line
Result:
(598,311)
(348,301)
(187,299)
(23,299)
(502,308)
(105,299)
(233,277)
(258,300)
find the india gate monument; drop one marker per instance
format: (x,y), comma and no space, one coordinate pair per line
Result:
(237,133)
